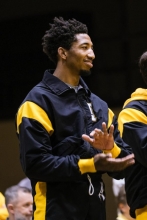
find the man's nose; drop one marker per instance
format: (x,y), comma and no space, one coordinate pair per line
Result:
(91,54)
(31,208)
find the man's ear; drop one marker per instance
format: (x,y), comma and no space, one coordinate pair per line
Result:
(10,208)
(122,208)
(62,53)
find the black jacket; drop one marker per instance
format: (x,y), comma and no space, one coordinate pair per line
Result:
(50,123)
(133,126)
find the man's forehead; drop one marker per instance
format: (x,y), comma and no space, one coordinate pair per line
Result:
(22,194)
(24,198)
(83,38)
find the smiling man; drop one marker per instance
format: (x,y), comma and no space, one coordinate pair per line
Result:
(54,121)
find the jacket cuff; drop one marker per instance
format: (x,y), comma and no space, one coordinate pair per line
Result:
(86,166)
(115,151)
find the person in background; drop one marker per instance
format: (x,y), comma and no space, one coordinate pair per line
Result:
(133,128)
(19,203)
(53,124)
(25,183)
(3,210)
(117,185)
(123,208)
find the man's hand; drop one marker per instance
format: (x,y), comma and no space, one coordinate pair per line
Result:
(101,140)
(105,162)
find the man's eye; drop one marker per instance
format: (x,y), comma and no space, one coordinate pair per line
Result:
(26,205)
(84,47)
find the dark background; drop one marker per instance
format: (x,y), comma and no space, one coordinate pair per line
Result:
(118,29)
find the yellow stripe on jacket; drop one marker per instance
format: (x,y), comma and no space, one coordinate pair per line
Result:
(33,111)
(40,201)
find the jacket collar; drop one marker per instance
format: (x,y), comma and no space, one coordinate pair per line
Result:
(57,86)
(139,94)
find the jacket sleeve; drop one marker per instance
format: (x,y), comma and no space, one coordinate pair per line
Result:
(34,130)
(121,148)
(133,127)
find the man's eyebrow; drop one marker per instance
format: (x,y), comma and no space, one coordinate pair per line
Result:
(87,44)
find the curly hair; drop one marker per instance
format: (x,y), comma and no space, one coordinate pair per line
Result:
(61,34)
(143,66)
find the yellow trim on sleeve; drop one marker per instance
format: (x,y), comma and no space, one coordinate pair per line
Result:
(141,214)
(115,151)
(33,111)
(40,201)
(110,117)
(86,166)
(129,115)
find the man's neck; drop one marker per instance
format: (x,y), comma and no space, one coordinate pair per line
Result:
(67,76)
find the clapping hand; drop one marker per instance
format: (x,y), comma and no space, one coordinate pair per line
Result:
(101,139)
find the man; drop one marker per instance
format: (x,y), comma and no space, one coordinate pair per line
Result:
(133,126)
(123,208)
(19,203)
(64,169)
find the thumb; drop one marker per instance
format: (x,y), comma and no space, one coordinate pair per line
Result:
(86,137)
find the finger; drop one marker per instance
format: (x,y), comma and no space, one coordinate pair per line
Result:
(85,137)
(111,130)
(88,139)
(121,163)
(130,156)
(98,132)
(104,128)
(130,162)
(93,133)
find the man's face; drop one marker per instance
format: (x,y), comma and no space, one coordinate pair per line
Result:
(23,208)
(81,55)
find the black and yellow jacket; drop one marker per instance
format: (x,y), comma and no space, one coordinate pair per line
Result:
(50,123)
(133,127)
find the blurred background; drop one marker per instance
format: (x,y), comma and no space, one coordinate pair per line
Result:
(118,29)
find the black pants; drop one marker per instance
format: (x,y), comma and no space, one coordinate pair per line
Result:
(71,201)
